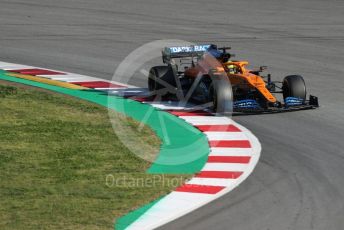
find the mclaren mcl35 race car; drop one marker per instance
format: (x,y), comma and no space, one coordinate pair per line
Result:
(206,74)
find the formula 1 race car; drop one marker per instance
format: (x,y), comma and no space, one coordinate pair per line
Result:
(206,74)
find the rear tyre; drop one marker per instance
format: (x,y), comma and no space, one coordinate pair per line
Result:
(161,80)
(221,96)
(294,86)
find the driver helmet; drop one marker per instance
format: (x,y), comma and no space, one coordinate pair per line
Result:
(231,69)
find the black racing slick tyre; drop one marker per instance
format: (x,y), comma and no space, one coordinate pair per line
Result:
(294,86)
(221,95)
(161,80)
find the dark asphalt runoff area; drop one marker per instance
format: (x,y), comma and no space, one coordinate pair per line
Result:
(299,180)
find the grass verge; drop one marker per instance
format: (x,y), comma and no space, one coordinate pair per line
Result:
(63,167)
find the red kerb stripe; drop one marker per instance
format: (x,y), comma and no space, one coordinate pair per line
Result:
(229,159)
(98,84)
(218,128)
(36,72)
(219,174)
(194,188)
(230,144)
(190,113)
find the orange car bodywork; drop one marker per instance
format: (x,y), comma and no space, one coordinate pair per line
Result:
(241,76)
(244,76)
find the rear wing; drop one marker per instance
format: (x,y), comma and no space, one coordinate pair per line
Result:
(169,53)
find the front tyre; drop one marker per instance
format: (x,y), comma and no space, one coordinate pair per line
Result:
(294,86)
(221,96)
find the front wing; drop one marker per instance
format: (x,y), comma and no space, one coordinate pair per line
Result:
(312,103)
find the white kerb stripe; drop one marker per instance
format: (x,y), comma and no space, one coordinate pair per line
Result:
(108,89)
(170,206)
(224,167)
(76,79)
(67,79)
(207,120)
(164,106)
(130,92)
(7,66)
(173,105)
(215,151)
(70,78)
(212,136)
(211,181)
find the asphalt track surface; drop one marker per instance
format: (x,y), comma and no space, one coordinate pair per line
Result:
(299,181)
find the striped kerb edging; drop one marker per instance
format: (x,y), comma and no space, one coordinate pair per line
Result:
(230,155)
(234,150)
